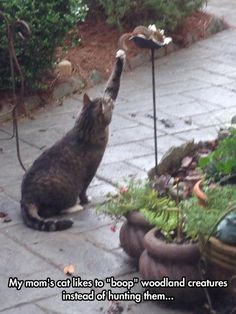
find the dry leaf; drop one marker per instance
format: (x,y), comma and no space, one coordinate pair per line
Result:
(7,219)
(69,270)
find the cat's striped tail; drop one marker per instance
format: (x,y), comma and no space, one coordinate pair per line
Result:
(34,221)
(113,84)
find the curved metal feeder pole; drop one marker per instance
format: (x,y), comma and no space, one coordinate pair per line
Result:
(23,33)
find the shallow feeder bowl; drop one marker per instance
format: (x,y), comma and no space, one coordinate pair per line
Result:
(146,43)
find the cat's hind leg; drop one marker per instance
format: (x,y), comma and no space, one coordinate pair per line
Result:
(72,209)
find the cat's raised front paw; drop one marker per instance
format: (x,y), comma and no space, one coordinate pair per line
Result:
(121,54)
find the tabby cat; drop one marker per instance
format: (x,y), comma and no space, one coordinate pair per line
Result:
(63,172)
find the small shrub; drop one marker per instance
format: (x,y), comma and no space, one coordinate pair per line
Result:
(49,21)
(222,161)
(139,196)
(203,220)
(166,14)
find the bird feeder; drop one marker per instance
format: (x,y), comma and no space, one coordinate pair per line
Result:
(151,38)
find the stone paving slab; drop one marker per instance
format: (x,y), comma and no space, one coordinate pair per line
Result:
(190,109)
(89,219)
(106,306)
(166,123)
(121,123)
(165,143)
(17,260)
(220,96)
(45,138)
(203,120)
(12,189)
(225,9)
(29,308)
(213,78)
(12,298)
(225,115)
(121,172)
(125,152)
(8,206)
(196,92)
(146,162)
(88,259)
(104,238)
(123,136)
(98,193)
(206,134)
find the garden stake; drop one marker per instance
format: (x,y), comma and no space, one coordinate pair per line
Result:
(14,63)
(154,109)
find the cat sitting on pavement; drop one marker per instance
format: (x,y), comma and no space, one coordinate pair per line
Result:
(63,172)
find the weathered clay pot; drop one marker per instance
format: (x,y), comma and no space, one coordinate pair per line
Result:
(132,233)
(175,261)
(220,262)
(220,258)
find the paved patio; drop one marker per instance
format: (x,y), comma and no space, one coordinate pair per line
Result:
(196,91)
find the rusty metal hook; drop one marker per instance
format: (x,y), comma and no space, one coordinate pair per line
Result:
(23,32)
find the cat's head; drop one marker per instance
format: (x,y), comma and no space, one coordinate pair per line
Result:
(94,117)
(98,110)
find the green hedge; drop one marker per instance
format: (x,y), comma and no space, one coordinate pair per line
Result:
(166,14)
(49,21)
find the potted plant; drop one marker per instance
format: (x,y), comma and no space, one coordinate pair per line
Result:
(158,225)
(217,235)
(134,202)
(171,254)
(220,164)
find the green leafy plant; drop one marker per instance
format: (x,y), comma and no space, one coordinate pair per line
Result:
(222,161)
(186,220)
(203,220)
(166,14)
(49,22)
(161,212)
(115,10)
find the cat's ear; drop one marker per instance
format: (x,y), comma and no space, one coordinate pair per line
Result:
(86,100)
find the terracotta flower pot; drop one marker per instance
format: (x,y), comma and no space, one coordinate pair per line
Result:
(132,234)
(175,261)
(202,197)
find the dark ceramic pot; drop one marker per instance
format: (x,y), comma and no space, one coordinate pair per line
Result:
(175,261)
(132,233)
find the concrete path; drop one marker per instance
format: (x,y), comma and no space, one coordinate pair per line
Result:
(225,9)
(196,90)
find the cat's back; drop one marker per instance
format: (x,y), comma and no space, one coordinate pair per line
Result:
(61,155)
